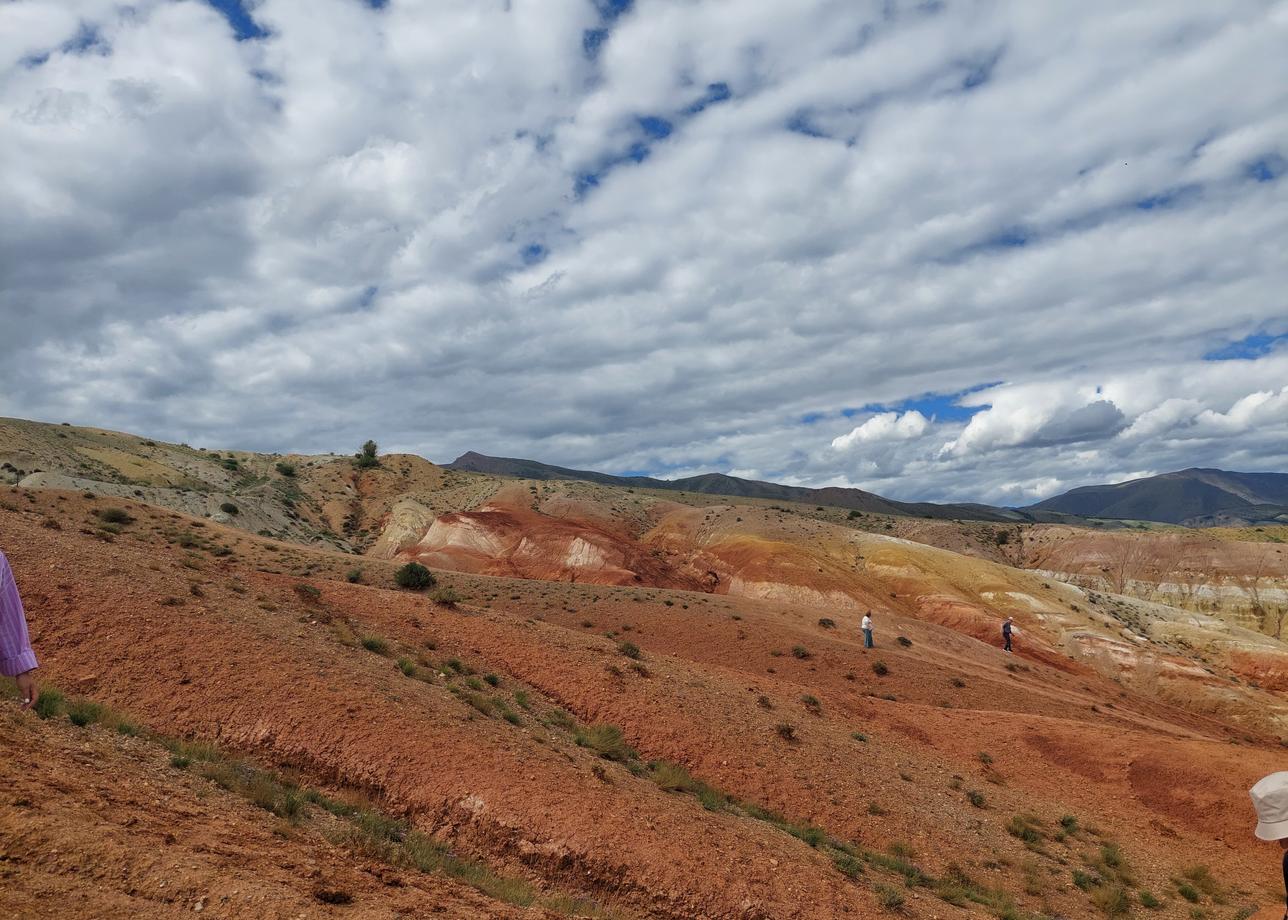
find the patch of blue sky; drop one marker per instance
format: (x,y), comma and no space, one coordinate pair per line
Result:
(1169,198)
(801,123)
(86,40)
(533,253)
(1267,168)
(243,25)
(1250,346)
(715,94)
(979,71)
(943,407)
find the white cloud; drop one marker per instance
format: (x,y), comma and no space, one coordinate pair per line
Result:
(888,426)
(424,224)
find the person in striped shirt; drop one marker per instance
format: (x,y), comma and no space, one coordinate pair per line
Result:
(17,660)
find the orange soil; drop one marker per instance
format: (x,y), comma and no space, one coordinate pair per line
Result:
(247,660)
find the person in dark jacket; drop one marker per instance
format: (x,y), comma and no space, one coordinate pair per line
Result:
(1008,627)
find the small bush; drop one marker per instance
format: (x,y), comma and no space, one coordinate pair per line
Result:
(407,666)
(445,596)
(1069,823)
(375,644)
(1148,900)
(812,704)
(799,651)
(492,680)
(1083,880)
(353,576)
(308,593)
(880,669)
(83,712)
(1188,892)
(985,758)
(229,508)
(630,650)
(180,761)
(904,641)
(1112,900)
(286,469)
(859,736)
(607,741)
(827,623)
(114,516)
(50,704)
(975,798)
(890,898)
(958,683)
(414,577)
(786,731)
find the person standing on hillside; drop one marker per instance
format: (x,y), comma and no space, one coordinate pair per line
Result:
(17,660)
(867,629)
(1270,799)
(1008,627)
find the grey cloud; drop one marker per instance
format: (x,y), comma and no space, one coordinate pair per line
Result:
(191,221)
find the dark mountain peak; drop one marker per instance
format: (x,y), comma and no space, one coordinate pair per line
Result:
(1195,496)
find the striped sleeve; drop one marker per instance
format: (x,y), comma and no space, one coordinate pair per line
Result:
(16,655)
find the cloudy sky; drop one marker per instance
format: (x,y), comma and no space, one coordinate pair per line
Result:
(971,250)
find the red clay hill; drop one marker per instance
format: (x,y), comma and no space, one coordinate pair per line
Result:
(609,704)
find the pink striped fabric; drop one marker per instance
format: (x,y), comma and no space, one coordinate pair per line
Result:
(16,655)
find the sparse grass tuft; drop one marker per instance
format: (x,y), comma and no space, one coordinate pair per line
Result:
(375,644)
(880,668)
(605,740)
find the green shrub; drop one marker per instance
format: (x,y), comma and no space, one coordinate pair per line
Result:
(407,666)
(890,898)
(1083,880)
(786,731)
(375,644)
(607,741)
(975,798)
(366,458)
(445,596)
(1112,900)
(630,650)
(354,576)
(114,516)
(827,623)
(83,712)
(799,651)
(50,704)
(492,680)
(1069,823)
(880,669)
(414,577)
(286,469)
(812,704)
(1188,892)
(229,508)
(1148,900)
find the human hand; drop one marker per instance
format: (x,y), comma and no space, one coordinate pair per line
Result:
(28,692)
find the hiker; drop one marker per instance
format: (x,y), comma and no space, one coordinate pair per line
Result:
(1270,799)
(867,629)
(1007,628)
(17,660)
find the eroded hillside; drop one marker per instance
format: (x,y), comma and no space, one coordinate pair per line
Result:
(616,703)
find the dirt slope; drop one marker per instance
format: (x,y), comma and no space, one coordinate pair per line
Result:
(229,646)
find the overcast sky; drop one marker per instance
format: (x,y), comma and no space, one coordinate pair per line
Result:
(982,251)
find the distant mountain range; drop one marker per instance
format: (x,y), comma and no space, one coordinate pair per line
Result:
(720,484)
(1194,497)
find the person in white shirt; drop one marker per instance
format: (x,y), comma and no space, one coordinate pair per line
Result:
(867,629)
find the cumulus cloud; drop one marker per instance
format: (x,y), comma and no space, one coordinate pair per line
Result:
(888,426)
(657,236)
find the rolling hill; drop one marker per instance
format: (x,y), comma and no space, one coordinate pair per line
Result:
(1194,497)
(721,484)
